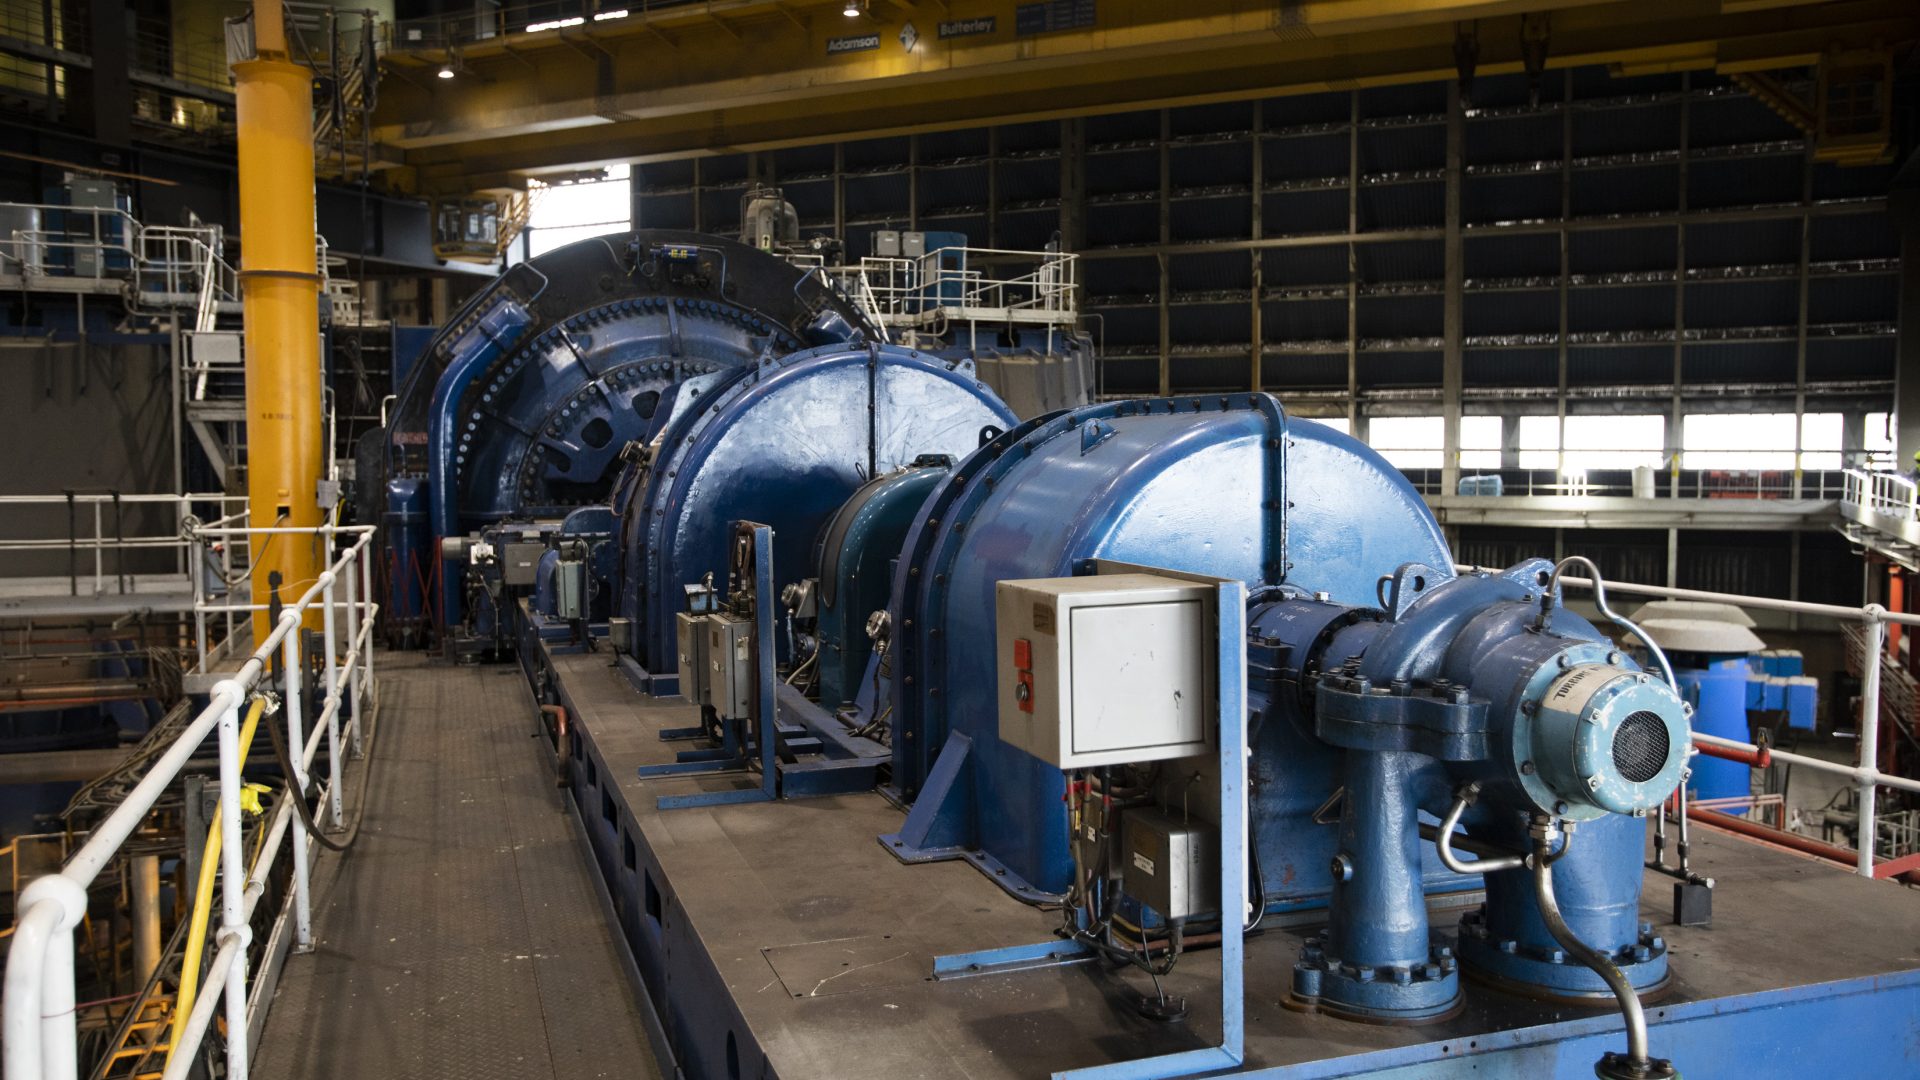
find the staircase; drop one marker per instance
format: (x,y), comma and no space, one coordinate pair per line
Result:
(216,386)
(341,47)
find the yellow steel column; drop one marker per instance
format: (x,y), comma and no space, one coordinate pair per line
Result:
(280,285)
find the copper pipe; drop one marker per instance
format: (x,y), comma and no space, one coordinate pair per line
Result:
(562,746)
(1759,759)
(1804,844)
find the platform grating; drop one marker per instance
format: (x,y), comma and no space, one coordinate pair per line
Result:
(462,936)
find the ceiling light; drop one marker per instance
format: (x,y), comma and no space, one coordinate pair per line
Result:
(852,9)
(446,71)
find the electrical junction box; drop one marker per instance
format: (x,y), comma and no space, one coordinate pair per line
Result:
(730,667)
(886,243)
(1105,670)
(1170,865)
(570,590)
(520,563)
(691,632)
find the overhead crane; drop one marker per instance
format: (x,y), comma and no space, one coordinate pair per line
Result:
(467,113)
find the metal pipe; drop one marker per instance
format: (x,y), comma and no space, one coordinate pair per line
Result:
(297,784)
(1869,738)
(233,921)
(1788,757)
(352,675)
(1444,841)
(1600,601)
(1762,603)
(279,275)
(143,876)
(336,811)
(1805,844)
(1635,1016)
(562,746)
(1760,757)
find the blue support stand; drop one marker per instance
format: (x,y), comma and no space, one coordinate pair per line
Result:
(784,725)
(1231,1052)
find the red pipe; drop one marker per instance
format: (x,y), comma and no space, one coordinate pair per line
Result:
(1845,856)
(1759,759)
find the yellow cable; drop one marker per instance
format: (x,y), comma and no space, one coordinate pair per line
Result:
(203,898)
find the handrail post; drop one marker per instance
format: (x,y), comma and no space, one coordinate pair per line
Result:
(1870,733)
(59,1026)
(352,573)
(297,747)
(233,902)
(336,808)
(226,575)
(366,600)
(197,566)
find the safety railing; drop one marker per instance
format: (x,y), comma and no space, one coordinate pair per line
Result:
(162,267)
(1732,485)
(37,1014)
(98,549)
(960,284)
(1865,776)
(1884,493)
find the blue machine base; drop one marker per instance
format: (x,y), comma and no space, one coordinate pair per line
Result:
(1822,997)
(1553,975)
(1401,995)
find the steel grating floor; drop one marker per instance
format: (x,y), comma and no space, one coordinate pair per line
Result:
(463,934)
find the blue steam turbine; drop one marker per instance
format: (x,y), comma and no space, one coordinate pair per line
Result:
(1417,702)
(523,403)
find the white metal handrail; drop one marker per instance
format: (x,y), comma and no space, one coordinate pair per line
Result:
(1866,776)
(948,284)
(37,1014)
(1885,493)
(92,535)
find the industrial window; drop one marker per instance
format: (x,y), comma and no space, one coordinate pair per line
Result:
(563,213)
(1737,441)
(1615,442)
(1540,442)
(1820,441)
(1407,442)
(1878,442)
(1593,442)
(1338,423)
(1480,442)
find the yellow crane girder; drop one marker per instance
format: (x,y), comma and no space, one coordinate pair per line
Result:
(750,75)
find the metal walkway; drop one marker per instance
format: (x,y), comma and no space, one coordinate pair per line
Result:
(463,934)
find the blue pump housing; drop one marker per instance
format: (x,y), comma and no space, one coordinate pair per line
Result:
(784,443)
(857,551)
(1194,484)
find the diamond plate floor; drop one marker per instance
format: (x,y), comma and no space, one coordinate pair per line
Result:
(461,936)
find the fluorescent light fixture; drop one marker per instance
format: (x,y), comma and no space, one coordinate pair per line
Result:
(603,16)
(446,71)
(534,28)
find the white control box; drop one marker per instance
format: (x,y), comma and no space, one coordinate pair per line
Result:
(1108,669)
